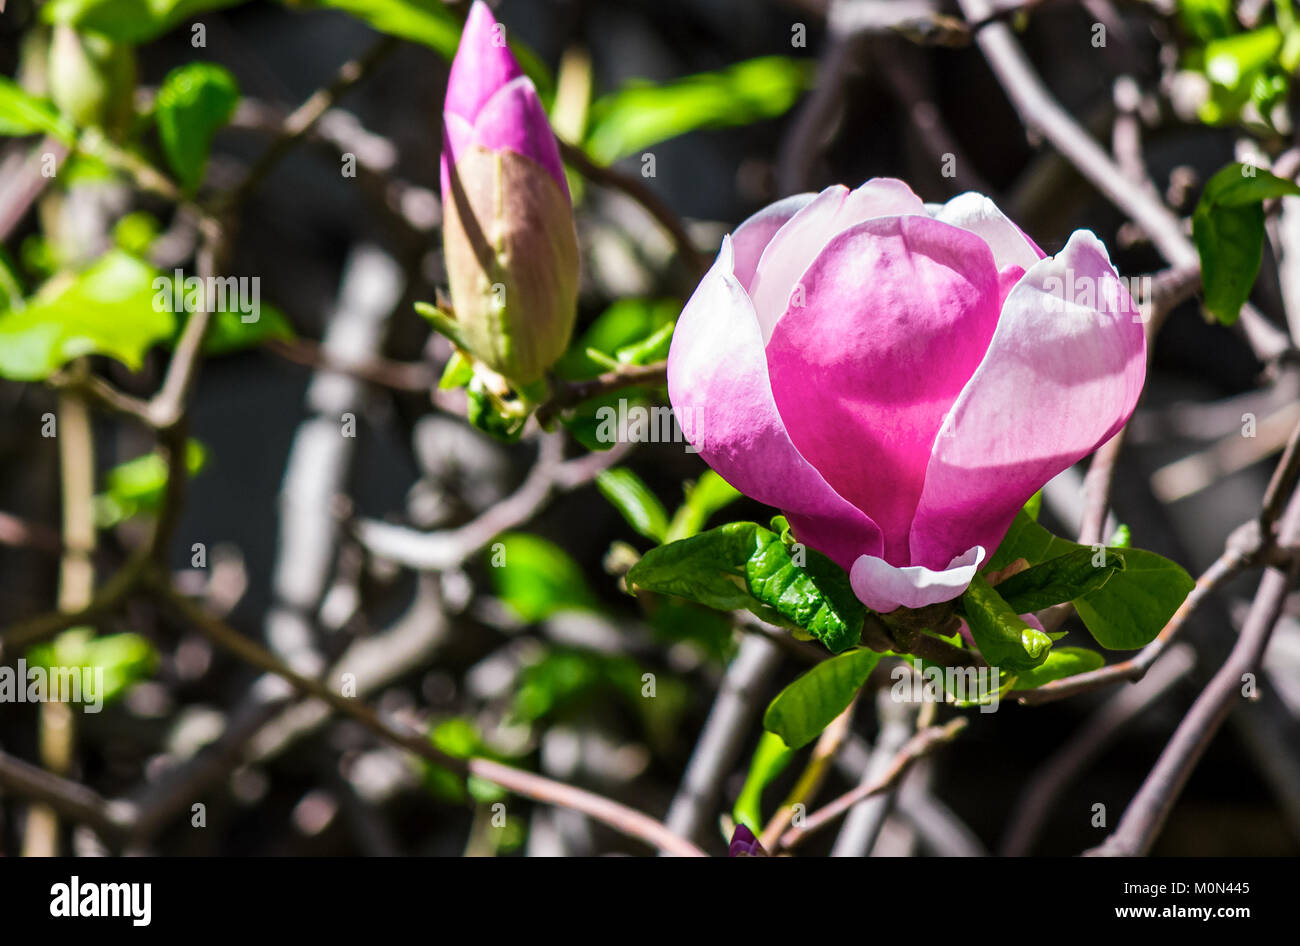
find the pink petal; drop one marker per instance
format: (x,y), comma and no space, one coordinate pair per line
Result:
(883,587)
(753,236)
(513,120)
(898,313)
(1061,376)
(457,135)
(483,64)
(807,233)
(979,215)
(717,383)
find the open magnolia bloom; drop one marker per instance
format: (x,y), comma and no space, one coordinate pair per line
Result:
(899,379)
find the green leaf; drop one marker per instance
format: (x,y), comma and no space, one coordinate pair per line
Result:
(22,113)
(808,705)
(194,102)
(635,502)
(626,326)
(1231,61)
(459,738)
(1002,636)
(1228,228)
(137,485)
(537,578)
(642,114)
(1028,540)
(704,497)
(1207,19)
(1058,580)
(122,659)
(1060,663)
(1135,604)
(109,309)
(815,596)
(458,372)
(649,350)
(128,21)
(770,758)
(229,333)
(743,565)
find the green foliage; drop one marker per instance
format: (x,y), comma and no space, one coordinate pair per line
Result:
(642,114)
(128,21)
(137,486)
(629,494)
(1131,609)
(124,659)
(630,332)
(428,22)
(1057,580)
(229,332)
(808,705)
(1228,227)
(743,565)
(1003,637)
(537,578)
(107,309)
(1060,663)
(1123,610)
(194,101)
(706,496)
(459,738)
(770,759)
(566,678)
(22,113)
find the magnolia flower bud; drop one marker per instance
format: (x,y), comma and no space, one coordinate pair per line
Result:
(508,233)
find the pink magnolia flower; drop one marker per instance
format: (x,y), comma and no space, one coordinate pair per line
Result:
(899,378)
(508,233)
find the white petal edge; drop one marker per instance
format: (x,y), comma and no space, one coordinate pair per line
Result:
(883,587)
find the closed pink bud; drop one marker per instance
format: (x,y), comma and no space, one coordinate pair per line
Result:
(900,378)
(508,232)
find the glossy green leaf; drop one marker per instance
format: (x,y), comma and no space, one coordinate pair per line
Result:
(634,500)
(536,578)
(194,102)
(1228,228)
(1028,540)
(770,759)
(642,114)
(808,705)
(1002,636)
(1062,662)
(1060,579)
(1135,604)
(109,309)
(743,565)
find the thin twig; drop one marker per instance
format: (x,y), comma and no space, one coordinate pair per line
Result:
(304,117)
(1147,812)
(643,195)
(619,817)
(570,393)
(918,746)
